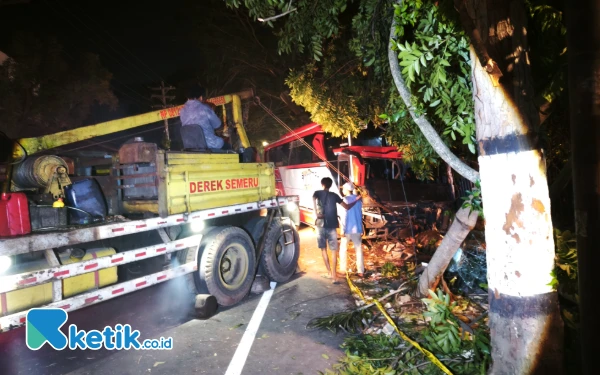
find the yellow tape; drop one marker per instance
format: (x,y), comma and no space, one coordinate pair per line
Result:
(427,353)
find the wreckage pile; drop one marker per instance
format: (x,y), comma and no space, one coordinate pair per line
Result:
(452,326)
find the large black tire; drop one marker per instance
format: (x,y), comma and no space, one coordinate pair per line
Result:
(255,227)
(279,261)
(192,280)
(226,265)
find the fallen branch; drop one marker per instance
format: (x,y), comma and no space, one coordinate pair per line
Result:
(400,289)
(462,225)
(447,290)
(400,356)
(416,366)
(464,326)
(478,318)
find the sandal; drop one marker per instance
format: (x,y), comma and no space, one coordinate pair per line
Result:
(326,276)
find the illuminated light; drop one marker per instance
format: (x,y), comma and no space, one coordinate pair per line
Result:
(197,226)
(265,143)
(291,206)
(5,263)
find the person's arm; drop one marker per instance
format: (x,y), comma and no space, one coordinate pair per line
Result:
(348,206)
(319,216)
(213,119)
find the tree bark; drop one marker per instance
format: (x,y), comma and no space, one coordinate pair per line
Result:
(584,86)
(524,319)
(451,181)
(463,223)
(562,179)
(422,122)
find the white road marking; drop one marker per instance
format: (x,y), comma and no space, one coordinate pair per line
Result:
(241,354)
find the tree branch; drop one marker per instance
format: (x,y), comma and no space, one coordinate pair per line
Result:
(277,16)
(422,122)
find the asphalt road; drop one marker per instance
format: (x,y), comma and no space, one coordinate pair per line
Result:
(282,344)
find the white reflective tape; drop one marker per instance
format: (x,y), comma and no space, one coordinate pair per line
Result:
(91,298)
(19,281)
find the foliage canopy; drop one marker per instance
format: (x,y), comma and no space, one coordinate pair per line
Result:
(347,82)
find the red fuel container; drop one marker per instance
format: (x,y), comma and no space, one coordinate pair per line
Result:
(14,214)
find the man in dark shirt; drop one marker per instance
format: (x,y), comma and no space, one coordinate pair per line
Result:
(327,222)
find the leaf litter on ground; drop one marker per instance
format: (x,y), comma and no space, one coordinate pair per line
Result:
(373,349)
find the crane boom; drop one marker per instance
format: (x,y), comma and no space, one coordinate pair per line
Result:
(35,145)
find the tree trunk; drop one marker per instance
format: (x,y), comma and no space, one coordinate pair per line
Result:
(584,86)
(562,179)
(451,180)
(463,223)
(524,319)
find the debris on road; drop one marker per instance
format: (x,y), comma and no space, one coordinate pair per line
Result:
(450,326)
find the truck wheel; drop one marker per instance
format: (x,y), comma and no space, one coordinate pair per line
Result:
(255,228)
(192,280)
(279,260)
(227,264)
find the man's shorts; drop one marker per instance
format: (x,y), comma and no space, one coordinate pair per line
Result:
(325,236)
(356,238)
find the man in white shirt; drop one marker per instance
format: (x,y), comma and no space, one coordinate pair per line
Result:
(352,229)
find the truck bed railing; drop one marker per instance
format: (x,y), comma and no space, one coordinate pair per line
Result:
(42,241)
(55,273)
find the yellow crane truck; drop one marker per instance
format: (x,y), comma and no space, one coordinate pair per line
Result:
(80,227)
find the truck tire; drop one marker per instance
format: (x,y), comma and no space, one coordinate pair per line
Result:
(278,260)
(192,280)
(226,265)
(255,228)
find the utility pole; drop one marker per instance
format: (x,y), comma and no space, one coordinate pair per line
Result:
(163,97)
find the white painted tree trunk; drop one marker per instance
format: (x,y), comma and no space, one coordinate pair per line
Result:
(525,323)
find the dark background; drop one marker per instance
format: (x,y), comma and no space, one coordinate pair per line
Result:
(179,42)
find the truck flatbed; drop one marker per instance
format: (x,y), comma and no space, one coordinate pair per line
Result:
(49,240)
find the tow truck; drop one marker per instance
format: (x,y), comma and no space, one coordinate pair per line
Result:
(81,227)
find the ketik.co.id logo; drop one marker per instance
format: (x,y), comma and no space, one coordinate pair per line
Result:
(43,326)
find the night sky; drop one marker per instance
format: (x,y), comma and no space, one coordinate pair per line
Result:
(141,43)
(155,34)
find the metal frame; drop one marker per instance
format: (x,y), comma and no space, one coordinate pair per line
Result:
(91,298)
(42,241)
(56,273)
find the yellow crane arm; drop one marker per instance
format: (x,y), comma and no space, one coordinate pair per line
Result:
(38,144)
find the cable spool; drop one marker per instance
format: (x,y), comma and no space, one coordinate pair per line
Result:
(37,171)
